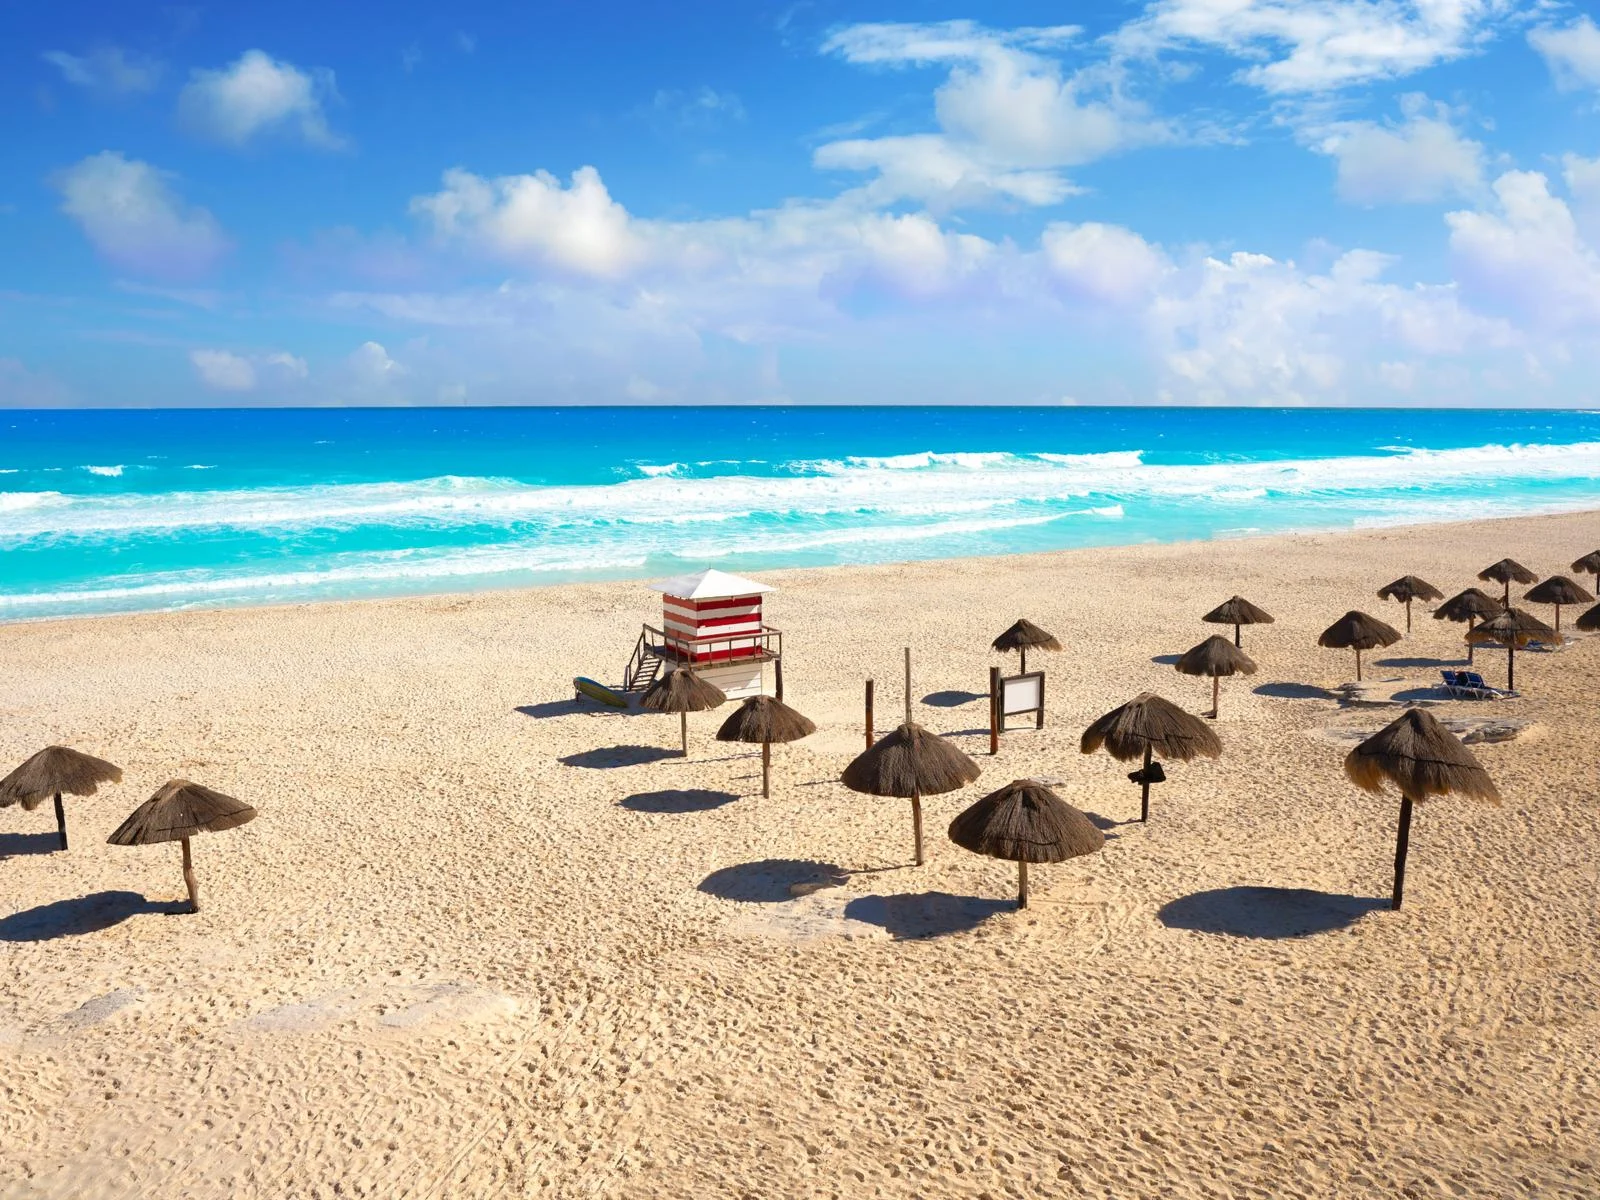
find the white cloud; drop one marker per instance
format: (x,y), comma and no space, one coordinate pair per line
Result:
(371,364)
(130,212)
(1528,257)
(109,70)
(1422,159)
(1306,46)
(1582,177)
(933,170)
(1572,52)
(257,95)
(225,371)
(1103,263)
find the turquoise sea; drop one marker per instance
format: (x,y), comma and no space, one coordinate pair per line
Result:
(110,511)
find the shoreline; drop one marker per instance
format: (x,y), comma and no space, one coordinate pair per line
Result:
(996,559)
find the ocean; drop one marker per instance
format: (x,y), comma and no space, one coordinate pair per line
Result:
(117,511)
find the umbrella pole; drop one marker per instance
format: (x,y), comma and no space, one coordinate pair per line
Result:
(1358,664)
(1216,692)
(1024,649)
(1511,665)
(61,821)
(1408,616)
(1470,647)
(766,769)
(1236,636)
(1401,845)
(1022,883)
(1558,618)
(1144,788)
(916,821)
(683,730)
(188,878)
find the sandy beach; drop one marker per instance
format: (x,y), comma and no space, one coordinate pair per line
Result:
(484,941)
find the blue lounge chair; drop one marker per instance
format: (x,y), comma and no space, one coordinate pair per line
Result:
(1481,690)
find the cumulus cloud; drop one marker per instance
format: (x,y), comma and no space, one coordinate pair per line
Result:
(1103,263)
(1308,46)
(108,70)
(225,371)
(131,213)
(1422,159)
(1572,52)
(371,363)
(259,95)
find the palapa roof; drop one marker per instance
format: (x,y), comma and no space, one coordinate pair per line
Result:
(709,585)
(1409,587)
(1470,605)
(911,759)
(56,769)
(764,719)
(1589,564)
(1359,631)
(681,691)
(1558,589)
(1508,570)
(1148,720)
(1237,611)
(1512,627)
(1216,656)
(180,809)
(1026,634)
(1420,757)
(1026,822)
(1589,622)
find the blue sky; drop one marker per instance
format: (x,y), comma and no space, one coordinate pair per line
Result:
(1185,201)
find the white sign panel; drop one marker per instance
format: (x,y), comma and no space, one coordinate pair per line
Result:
(1023,694)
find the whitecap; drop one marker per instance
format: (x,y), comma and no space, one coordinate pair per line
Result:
(113,472)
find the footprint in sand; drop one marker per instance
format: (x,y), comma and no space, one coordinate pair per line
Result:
(402,1007)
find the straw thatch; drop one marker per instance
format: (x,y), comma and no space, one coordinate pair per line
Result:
(1421,758)
(682,691)
(1589,622)
(1026,822)
(1359,631)
(1216,656)
(1514,628)
(1149,723)
(56,770)
(1470,605)
(1237,611)
(1408,588)
(910,761)
(1558,590)
(763,719)
(180,810)
(1589,564)
(1508,571)
(1025,636)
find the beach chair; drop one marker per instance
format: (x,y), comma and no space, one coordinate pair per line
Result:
(1548,647)
(1453,685)
(1480,689)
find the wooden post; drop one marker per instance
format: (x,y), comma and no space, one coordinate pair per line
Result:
(869,714)
(1470,646)
(916,822)
(1358,664)
(683,728)
(188,879)
(766,769)
(1216,692)
(1511,664)
(1408,616)
(1401,845)
(1144,788)
(61,821)
(908,690)
(995,718)
(1558,618)
(1236,634)
(777,683)
(1023,650)
(1022,883)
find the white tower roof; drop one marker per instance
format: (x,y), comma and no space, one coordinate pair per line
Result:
(709,585)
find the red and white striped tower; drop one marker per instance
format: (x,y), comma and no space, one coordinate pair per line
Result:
(712,620)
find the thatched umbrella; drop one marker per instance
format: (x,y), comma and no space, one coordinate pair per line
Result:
(1358,631)
(1406,589)
(175,814)
(1589,564)
(1422,758)
(1022,635)
(1025,822)
(1237,611)
(683,692)
(765,720)
(1512,629)
(1589,622)
(54,771)
(911,762)
(1469,606)
(1149,725)
(1507,571)
(1558,590)
(1216,657)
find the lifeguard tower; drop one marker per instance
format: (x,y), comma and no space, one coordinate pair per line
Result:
(711,621)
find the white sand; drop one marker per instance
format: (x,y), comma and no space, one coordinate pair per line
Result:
(445,962)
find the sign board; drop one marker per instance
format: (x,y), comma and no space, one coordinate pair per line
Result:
(1013,696)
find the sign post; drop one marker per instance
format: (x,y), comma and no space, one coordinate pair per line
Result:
(1013,696)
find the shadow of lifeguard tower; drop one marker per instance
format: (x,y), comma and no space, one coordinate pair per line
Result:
(711,621)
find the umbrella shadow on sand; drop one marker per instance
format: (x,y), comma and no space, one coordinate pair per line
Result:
(925,914)
(952,699)
(606,757)
(1417,662)
(82,914)
(1166,660)
(1295,691)
(569,706)
(677,800)
(1267,912)
(771,880)
(12,844)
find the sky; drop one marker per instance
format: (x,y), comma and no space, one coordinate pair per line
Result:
(1347,202)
